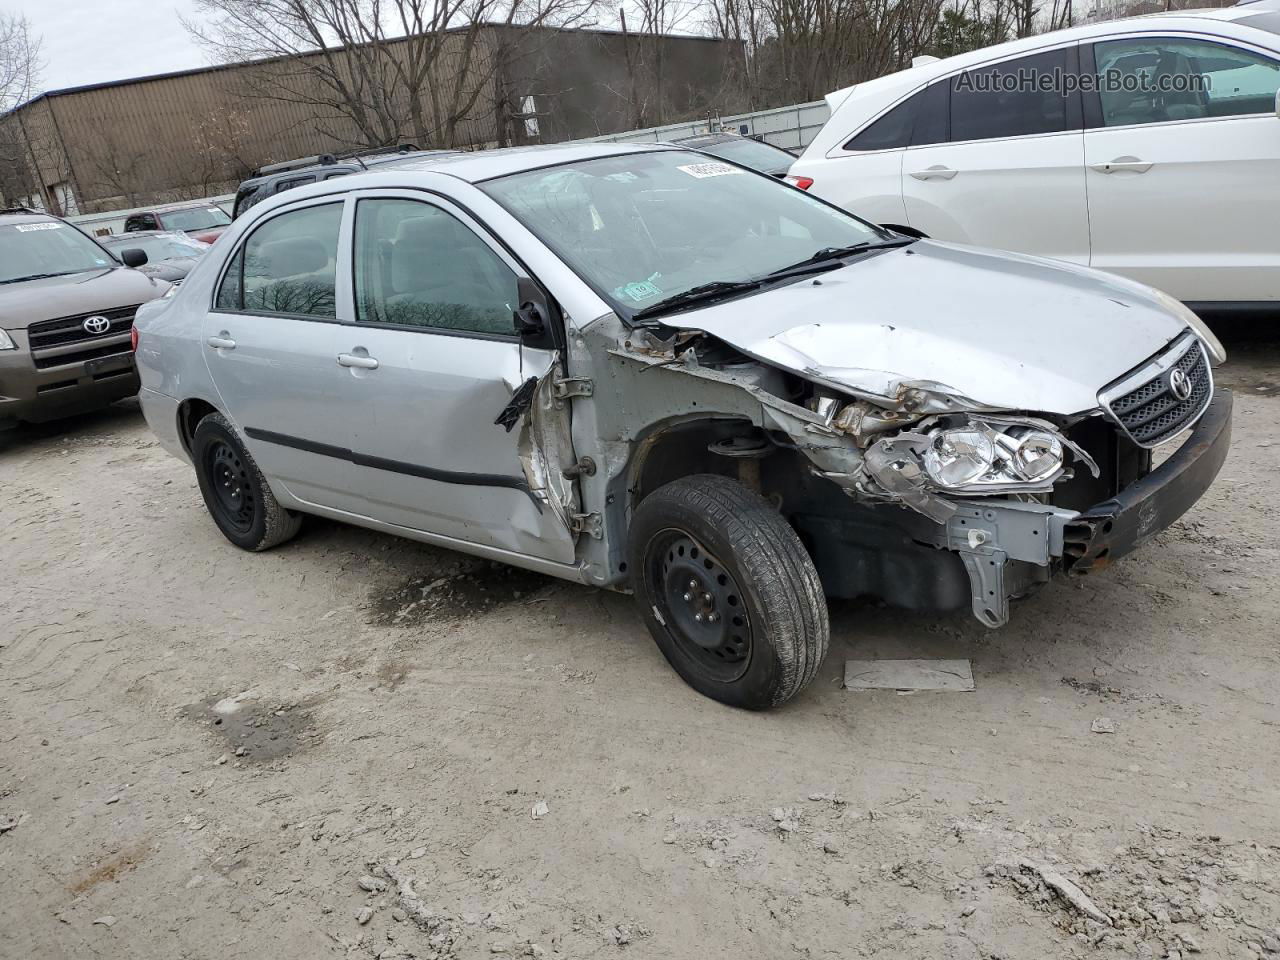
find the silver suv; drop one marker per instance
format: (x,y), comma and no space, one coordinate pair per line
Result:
(641,368)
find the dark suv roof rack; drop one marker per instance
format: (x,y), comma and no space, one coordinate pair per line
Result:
(325,159)
(20,210)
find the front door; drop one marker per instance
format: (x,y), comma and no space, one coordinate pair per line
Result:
(1011,175)
(271,345)
(1183,167)
(432,360)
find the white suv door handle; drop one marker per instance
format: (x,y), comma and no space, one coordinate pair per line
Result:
(351,360)
(1128,164)
(936,172)
(222,341)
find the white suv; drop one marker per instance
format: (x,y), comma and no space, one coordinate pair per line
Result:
(1149,147)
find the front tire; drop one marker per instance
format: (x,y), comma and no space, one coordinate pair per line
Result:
(728,591)
(235,491)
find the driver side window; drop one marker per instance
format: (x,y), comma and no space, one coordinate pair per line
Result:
(418,266)
(1162,79)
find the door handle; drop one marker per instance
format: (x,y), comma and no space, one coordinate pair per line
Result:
(222,341)
(936,172)
(351,360)
(1122,164)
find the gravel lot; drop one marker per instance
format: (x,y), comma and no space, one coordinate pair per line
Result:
(203,752)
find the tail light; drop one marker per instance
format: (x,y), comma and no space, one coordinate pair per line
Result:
(800,183)
(133,339)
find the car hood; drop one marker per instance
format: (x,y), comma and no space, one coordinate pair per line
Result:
(31,301)
(1001,330)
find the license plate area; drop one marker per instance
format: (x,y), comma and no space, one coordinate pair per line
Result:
(108,366)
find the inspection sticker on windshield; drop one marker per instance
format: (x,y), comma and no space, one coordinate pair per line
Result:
(712,169)
(638,290)
(28,227)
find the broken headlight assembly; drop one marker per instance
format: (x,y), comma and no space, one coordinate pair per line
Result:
(982,457)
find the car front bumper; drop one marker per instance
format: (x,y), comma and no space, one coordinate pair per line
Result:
(37,394)
(1040,538)
(1128,520)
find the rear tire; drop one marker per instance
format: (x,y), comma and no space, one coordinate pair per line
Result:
(728,591)
(235,491)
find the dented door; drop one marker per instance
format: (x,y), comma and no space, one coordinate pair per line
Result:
(430,457)
(432,360)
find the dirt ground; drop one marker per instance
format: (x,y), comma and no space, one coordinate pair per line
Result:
(207,754)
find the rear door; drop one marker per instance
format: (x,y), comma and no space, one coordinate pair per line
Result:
(431,361)
(271,343)
(1182,154)
(1010,174)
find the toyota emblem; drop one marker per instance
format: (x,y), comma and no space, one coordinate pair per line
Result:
(96,325)
(1179,384)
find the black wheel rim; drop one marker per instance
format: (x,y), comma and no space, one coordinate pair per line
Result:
(234,501)
(701,605)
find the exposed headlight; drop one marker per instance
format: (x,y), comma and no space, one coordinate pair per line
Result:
(6,342)
(983,456)
(1037,456)
(956,458)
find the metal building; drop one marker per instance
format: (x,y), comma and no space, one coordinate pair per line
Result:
(199,132)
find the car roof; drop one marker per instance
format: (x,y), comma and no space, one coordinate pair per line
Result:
(350,163)
(490,164)
(133,235)
(181,205)
(22,215)
(706,139)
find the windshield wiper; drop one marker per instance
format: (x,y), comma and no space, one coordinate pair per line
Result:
(701,294)
(827,256)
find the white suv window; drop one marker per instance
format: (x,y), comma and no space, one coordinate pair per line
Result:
(1015,98)
(1159,79)
(418,266)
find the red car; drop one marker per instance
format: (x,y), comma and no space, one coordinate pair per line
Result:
(198,219)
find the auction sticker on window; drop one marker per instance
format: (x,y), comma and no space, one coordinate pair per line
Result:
(712,169)
(28,227)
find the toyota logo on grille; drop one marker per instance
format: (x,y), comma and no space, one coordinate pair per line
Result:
(96,325)
(1180,384)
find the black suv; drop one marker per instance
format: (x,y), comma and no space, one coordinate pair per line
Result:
(279,177)
(66,318)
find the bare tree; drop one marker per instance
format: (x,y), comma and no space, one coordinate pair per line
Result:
(376,72)
(20,62)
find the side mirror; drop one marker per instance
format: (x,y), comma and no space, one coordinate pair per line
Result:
(133,257)
(532,318)
(1278,103)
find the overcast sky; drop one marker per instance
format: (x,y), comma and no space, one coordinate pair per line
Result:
(92,41)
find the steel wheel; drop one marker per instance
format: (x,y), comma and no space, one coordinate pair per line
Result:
(233,491)
(701,605)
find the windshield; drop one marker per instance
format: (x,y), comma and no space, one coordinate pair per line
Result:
(753,154)
(201,218)
(644,227)
(158,248)
(47,248)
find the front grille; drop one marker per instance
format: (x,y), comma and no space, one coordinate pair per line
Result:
(1152,412)
(68,331)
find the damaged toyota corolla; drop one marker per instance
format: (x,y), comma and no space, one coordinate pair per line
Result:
(640,368)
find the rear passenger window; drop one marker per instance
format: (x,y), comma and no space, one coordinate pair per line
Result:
(891,130)
(289,184)
(919,120)
(1012,99)
(418,266)
(288,265)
